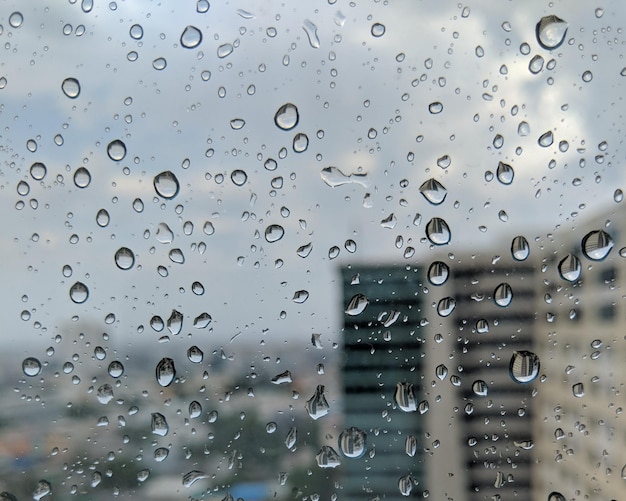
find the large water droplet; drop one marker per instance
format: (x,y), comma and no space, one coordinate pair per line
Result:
(300,143)
(596,245)
(124,258)
(438,232)
(524,366)
(311,32)
(79,293)
(333,177)
(103,218)
(195,355)
(520,249)
(405,485)
(352,443)
(159,64)
(238,177)
(202,320)
(38,171)
(546,139)
(480,388)
(282,378)
(274,232)
(405,397)
(31,366)
(435,108)
(16,19)
(175,322)
(287,117)
(556,496)
(410,445)
(191,37)
(291,438)
(115,369)
(317,406)
(136,32)
(357,304)
(165,372)
(116,150)
(433,191)
(164,234)
(327,457)
(503,295)
(193,476)
(441,371)
(505,173)
(71,87)
(104,394)
(195,409)
(446,306)
(161,454)
(536,64)
(159,424)
(551,31)
(82,178)
(378,30)
(570,268)
(166,184)
(578,390)
(42,489)
(438,273)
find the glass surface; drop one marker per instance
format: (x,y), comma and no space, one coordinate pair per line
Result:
(312,250)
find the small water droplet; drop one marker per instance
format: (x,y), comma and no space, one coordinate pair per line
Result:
(136,32)
(291,438)
(550,32)
(357,304)
(410,445)
(587,76)
(237,123)
(352,442)
(191,37)
(159,63)
(164,234)
(405,397)
(556,496)
(311,32)
(38,171)
(524,366)
(42,489)
(546,139)
(195,409)
(433,191)
(520,250)
(300,296)
(23,188)
(166,185)
(274,232)
(195,355)
(438,273)
(578,390)
(175,322)
(536,64)
(287,117)
(225,50)
(82,178)
(435,108)
(165,372)
(438,232)
(31,366)
(124,258)
(202,320)
(79,293)
(116,150)
(503,295)
(300,143)
(441,371)
(570,268)
(378,30)
(192,477)
(479,387)
(104,394)
(596,245)
(71,87)
(282,378)
(327,457)
(446,306)
(115,369)
(102,218)
(505,173)
(317,406)
(405,485)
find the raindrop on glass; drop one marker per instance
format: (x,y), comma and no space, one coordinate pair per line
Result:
(165,372)
(551,31)
(546,139)
(192,477)
(202,320)
(124,258)
(570,268)
(195,355)
(38,171)
(479,387)
(556,496)
(175,322)
(438,273)
(578,390)
(524,366)
(115,369)
(536,64)
(191,37)
(405,397)
(136,32)
(327,457)
(71,88)
(596,245)
(238,177)
(520,250)
(116,150)
(352,443)
(159,63)
(410,445)
(31,366)
(42,489)
(446,306)
(317,406)
(102,218)
(274,232)
(311,32)
(433,191)
(287,117)
(378,30)
(437,231)
(79,293)
(505,173)
(82,177)
(300,143)
(166,185)
(435,108)
(503,295)
(357,304)
(405,485)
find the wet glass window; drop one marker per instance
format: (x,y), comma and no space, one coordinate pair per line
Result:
(312,251)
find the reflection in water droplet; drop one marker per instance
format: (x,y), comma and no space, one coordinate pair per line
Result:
(115,369)
(405,485)
(71,88)
(441,371)
(274,232)
(438,273)
(556,496)
(159,63)
(124,258)
(410,445)
(352,443)
(238,177)
(503,295)
(596,245)
(104,394)
(287,117)
(524,366)
(31,366)
(82,177)
(164,234)
(578,390)
(79,293)
(536,64)
(195,355)
(175,322)
(300,296)
(437,231)
(291,438)
(166,185)
(195,409)
(42,489)
(357,304)
(202,320)
(520,250)
(38,171)
(224,50)
(282,378)
(191,37)
(165,372)
(546,139)
(433,191)
(327,457)
(333,177)
(405,397)
(550,32)
(378,30)
(317,406)
(446,306)
(102,218)
(505,173)
(116,150)
(237,123)
(311,32)
(479,387)
(570,268)
(136,31)
(300,143)
(192,477)
(435,108)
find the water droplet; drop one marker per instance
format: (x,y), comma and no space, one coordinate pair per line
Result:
(225,50)
(71,87)
(551,31)
(102,218)
(202,320)
(317,406)
(333,177)
(578,390)
(195,355)
(546,139)
(31,366)
(23,188)
(115,369)
(587,76)
(166,185)
(104,394)
(82,177)
(274,232)
(435,108)
(159,63)
(357,304)
(405,485)
(192,477)
(520,249)
(438,273)
(405,397)
(164,234)
(311,32)
(237,123)
(441,371)
(161,454)
(291,438)
(596,245)
(300,296)
(410,445)
(42,489)
(446,306)
(136,32)
(438,232)
(378,30)
(191,37)
(195,409)
(175,322)
(116,150)
(352,443)
(618,195)
(479,387)
(570,268)
(238,177)
(287,117)
(300,143)
(124,258)
(282,378)
(524,366)
(556,496)
(503,295)
(536,64)
(327,457)
(271,427)
(165,372)
(38,171)
(433,191)
(79,293)
(16,19)
(505,173)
